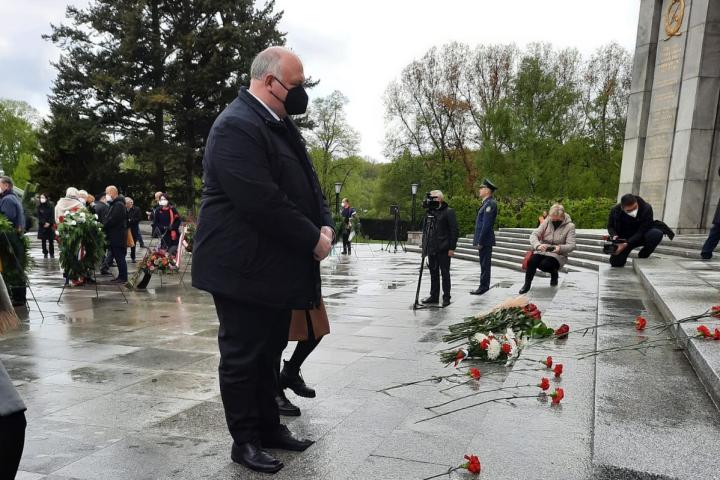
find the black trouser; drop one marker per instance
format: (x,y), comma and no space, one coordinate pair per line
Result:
(543,262)
(485,265)
(48,246)
(347,245)
(712,241)
(439,263)
(251,340)
(137,238)
(118,253)
(17,292)
(12,442)
(649,242)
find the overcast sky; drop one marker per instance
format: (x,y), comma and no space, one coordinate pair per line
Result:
(356,47)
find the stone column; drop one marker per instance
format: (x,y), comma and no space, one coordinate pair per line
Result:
(691,178)
(640,91)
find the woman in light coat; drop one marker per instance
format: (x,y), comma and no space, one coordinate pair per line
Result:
(551,243)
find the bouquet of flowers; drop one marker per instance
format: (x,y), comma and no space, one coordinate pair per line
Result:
(158,261)
(189,236)
(519,319)
(82,243)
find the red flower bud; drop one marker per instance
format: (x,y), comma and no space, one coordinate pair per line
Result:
(473,464)
(562,331)
(460,356)
(715,311)
(484,344)
(474,373)
(704,331)
(557,395)
(717,334)
(640,323)
(544,383)
(558,370)
(548,362)
(506,348)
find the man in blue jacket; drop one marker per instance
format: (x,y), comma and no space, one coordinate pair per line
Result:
(263,228)
(484,238)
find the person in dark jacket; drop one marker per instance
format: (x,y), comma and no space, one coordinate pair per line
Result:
(166,221)
(133,218)
(713,235)
(12,426)
(99,207)
(12,208)
(46,225)
(347,213)
(484,238)
(115,226)
(441,244)
(263,228)
(632,220)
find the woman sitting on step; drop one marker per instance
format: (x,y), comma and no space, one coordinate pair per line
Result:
(551,244)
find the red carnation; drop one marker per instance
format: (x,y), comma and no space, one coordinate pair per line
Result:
(61,218)
(715,311)
(548,362)
(484,344)
(506,348)
(544,383)
(717,334)
(473,464)
(558,370)
(474,373)
(460,356)
(640,323)
(704,331)
(557,395)
(562,331)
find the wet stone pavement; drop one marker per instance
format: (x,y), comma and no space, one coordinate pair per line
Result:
(129,390)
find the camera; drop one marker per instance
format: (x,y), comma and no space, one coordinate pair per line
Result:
(394,210)
(610,246)
(430,203)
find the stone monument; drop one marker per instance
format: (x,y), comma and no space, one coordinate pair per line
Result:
(672,139)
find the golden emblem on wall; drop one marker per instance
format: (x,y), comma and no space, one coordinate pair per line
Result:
(674,18)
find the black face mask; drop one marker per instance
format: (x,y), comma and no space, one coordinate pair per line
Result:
(296,101)
(557,224)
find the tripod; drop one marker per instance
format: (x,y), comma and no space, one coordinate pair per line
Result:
(428,229)
(396,234)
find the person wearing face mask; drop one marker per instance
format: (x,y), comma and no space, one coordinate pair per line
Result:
(167,221)
(263,229)
(632,220)
(551,243)
(45,214)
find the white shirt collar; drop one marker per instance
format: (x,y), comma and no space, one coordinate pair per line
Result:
(275,116)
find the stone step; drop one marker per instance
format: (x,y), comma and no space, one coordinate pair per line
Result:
(557,439)
(520,246)
(653,418)
(681,288)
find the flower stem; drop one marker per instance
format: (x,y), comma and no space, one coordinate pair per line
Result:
(514,397)
(442,474)
(479,393)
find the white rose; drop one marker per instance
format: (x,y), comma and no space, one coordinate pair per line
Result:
(493,349)
(73,222)
(67,212)
(479,337)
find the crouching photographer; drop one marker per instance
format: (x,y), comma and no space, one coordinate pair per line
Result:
(631,225)
(443,232)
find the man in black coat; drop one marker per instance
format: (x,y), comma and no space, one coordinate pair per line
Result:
(115,226)
(632,220)
(713,235)
(263,228)
(441,244)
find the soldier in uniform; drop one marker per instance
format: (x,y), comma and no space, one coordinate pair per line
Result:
(484,238)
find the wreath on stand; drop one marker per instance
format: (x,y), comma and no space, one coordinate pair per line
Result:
(82,243)
(9,258)
(154,261)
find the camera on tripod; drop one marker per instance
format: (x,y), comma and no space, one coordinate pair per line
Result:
(394,210)
(430,202)
(610,246)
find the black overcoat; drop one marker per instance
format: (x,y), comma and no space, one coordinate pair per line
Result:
(115,223)
(261,211)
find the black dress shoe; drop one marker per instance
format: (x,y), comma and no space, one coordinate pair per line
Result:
(479,291)
(285,406)
(255,458)
(554,279)
(292,379)
(429,300)
(446,302)
(283,439)
(525,288)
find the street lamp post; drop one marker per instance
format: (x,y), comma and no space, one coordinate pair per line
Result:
(338,187)
(413,189)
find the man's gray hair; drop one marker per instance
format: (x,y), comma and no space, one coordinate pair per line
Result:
(6,180)
(438,193)
(267,62)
